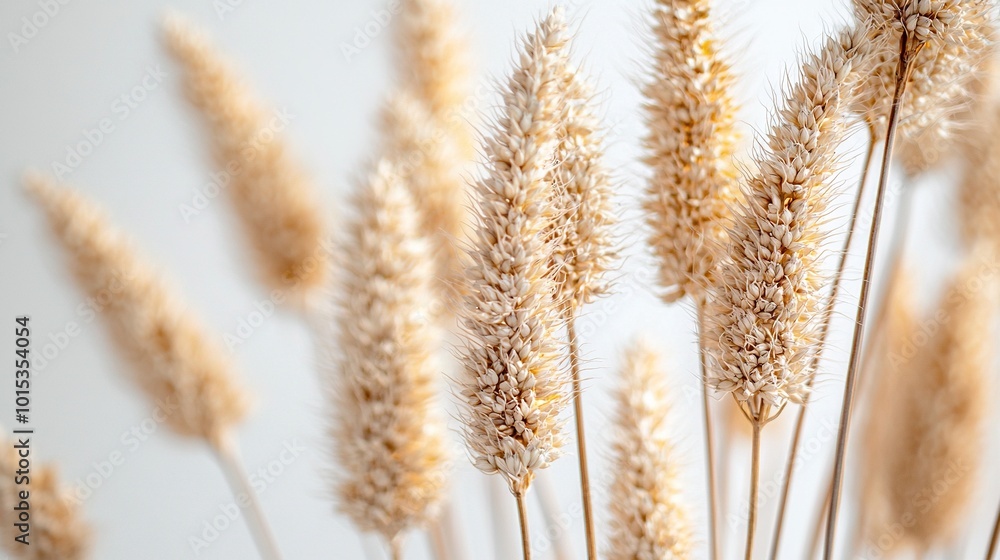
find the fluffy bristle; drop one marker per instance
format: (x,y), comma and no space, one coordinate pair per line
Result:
(513,385)
(763,313)
(648,518)
(689,144)
(58,530)
(387,435)
(586,250)
(274,199)
(174,360)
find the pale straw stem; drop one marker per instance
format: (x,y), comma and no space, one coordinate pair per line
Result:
(232,466)
(581,439)
(710,475)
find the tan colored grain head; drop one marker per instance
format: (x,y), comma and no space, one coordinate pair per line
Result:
(954,37)
(276,202)
(938,443)
(429,165)
(689,143)
(513,386)
(388,437)
(890,369)
(979,190)
(58,530)
(648,518)
(586,218)
(433,60)
(763,314)
(174,359)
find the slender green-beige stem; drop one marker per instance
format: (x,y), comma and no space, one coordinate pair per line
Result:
(439,540)
(831,303)
(902,74)
(713,509)
(994,538)
(396,548)
(820,522)
(522,517)
(754,483)
(581,439)
(232,466)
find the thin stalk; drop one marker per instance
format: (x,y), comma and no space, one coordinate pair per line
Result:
(820,522)
(549,501)
(522,517)
(439,539)
(902,74)
(824,330)
(396,548)
(754,482)
(994,539)
(581,438)
(713,510)
(229,458)
(452,532)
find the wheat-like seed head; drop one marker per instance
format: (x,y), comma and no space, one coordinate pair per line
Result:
(763,314)
(432,56)
(387,435)
(58,529)
(583,195)
(938,433)
(276,202)
(174,359)
(891,370)
(648,519)
(426,160)
(689,144)
(513,386)
(950,38)
(979,190)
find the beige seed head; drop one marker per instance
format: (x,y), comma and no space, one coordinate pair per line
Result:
(426,161)
(690,139)
(763,314)
(387,435)
(433,61)
(174,359)
(58,530)
(892,368)
(979,190)
(648,518)
(582,183)
(954,37)
(938,433)
(277,204)
(513,386)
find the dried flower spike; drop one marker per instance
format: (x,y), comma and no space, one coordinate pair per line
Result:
(938,433)
(690,138)
(387,436)
(585,219)
(274,199)
(944,71)
(174,358)
(648,518)
(57,528)
(764,314)
(429,165)
(432,57)
(513,386)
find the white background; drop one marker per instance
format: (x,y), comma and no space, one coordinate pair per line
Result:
(67,78)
